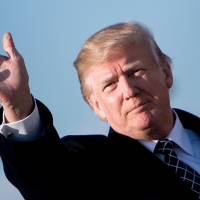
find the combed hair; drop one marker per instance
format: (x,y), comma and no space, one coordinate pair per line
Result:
(108,42)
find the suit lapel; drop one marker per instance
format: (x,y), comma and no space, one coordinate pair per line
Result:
(145,167)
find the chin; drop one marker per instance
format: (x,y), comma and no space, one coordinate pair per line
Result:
(143,120)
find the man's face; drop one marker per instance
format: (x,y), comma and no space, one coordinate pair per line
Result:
(130,92)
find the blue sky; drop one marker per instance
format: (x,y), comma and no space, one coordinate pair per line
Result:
(50,33)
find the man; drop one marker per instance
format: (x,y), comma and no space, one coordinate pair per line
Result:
(125,78)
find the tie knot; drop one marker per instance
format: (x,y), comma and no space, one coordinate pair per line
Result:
(164,146)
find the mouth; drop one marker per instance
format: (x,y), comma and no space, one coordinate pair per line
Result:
(142,106)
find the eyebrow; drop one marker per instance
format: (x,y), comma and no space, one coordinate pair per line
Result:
(126,68)
(108,79)
(132,65)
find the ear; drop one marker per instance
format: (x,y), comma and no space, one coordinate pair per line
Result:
(96,107)
(168,74)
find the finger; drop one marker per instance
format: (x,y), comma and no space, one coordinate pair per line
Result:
(9,46)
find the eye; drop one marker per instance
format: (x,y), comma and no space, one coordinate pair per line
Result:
(136,73)
(139,72)
(109,87)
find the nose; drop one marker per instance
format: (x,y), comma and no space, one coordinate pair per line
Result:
(128,89)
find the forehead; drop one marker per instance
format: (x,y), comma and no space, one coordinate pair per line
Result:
(109,69)
(137,55)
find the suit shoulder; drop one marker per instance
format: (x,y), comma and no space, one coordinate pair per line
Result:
(186,115)
(188,120)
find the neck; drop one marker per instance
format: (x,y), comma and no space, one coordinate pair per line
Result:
(163,129)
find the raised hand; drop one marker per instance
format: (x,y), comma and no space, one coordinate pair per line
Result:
(15,95)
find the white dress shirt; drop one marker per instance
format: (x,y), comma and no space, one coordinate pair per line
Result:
(27,129)
(188,142)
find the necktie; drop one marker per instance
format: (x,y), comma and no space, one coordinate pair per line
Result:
(184,171)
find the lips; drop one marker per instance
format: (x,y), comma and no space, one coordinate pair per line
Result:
(137,106)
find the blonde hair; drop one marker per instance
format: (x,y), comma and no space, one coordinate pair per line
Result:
(110,41)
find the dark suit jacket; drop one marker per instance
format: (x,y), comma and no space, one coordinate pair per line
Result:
(90,167)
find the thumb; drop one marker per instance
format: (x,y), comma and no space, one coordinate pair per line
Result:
(9,46)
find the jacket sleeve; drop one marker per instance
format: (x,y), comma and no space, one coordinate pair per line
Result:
(35,167)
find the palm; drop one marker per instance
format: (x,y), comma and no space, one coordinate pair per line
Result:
(14,89)
(11,79)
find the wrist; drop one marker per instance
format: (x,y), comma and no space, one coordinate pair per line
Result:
(18,111)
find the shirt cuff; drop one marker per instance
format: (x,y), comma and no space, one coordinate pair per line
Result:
(27,129)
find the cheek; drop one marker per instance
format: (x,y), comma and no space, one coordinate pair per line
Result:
(160,95)
(156,85)
(112,104)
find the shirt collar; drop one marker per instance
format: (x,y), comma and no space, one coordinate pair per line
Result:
(177,134)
